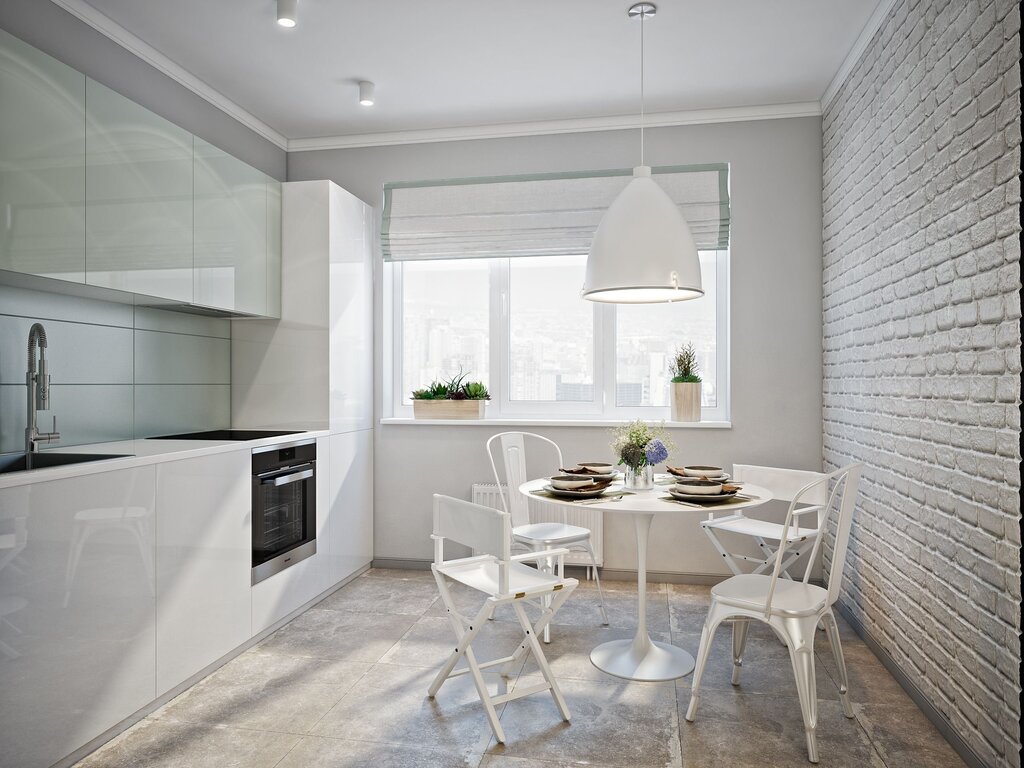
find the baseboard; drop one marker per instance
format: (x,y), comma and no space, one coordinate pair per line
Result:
(128,722)
(967,754)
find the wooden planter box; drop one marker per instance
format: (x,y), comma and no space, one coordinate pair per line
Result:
(448,409)
(686,401)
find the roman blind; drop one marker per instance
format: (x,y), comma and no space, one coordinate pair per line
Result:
(537,215)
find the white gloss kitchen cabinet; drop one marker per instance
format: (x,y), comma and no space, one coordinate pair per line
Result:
(203,562)
(78,642)
(42,163)
(97,190)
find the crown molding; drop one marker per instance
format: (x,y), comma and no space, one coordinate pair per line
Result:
(110,28)
(872,26)
(577,125)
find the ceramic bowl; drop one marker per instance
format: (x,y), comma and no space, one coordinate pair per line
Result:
(601,467)
(698,487)
(571,482)
(702,470)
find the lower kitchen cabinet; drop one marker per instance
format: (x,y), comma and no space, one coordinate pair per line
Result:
(203,562)
(77,594)
(350,520)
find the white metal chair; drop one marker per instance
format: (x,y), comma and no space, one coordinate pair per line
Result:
(793,609)
(784,485)
(505,580)
(536,536)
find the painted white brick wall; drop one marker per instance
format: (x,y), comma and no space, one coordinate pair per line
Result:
(922,363)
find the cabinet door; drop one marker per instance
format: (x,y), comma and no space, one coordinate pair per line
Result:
(273,248)
(42,163)
(77,638)
(203,563)
(231,232)
(138,198)
(351,504)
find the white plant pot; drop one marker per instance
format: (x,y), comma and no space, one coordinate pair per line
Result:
(686,401)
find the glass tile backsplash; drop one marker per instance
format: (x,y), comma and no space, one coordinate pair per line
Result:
(116,371)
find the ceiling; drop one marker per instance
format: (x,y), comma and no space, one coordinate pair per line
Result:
(445,64)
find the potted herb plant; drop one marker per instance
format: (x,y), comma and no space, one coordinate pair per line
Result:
(685,385)
(640,447)
(455,398)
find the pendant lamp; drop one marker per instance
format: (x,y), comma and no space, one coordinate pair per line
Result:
(643,251)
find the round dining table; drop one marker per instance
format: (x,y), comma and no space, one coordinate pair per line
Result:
(641,658)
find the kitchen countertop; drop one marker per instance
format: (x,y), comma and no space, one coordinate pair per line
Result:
(142,452)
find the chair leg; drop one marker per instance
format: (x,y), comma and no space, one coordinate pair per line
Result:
(600,592)
(485,696)
(800,640)
(729,561)
(542,662)
(707,634)
(739,642)
(519,656)
(832,629)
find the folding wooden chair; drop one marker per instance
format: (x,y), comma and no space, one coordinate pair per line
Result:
(505,580)
(784,485)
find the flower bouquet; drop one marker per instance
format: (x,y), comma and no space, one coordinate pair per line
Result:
(640,447)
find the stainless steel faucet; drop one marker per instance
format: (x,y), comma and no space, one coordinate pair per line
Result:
(38,381)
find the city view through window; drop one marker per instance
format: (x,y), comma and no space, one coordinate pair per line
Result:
(447,317)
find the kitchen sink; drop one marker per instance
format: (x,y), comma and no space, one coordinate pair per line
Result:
(17,462)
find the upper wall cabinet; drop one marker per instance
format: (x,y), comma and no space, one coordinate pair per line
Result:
(138,198)
(99,190)
(42,163)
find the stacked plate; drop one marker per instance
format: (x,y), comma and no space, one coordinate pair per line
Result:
(703,471)
(702,484)
(586,481)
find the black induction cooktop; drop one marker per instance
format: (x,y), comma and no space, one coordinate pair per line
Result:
(230,434)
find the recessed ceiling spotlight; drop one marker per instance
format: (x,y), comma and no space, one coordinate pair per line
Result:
(287,12)
(366,93)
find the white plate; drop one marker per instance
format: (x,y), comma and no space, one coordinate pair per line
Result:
(597,478)
(717,478)
(578,494)
(712,498)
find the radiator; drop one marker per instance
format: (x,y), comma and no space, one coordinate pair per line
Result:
(488,495)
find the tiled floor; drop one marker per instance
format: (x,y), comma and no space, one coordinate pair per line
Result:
(345,683)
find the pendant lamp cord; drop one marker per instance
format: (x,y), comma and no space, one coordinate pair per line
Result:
(642,15)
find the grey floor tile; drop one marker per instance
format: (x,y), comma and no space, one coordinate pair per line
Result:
(325,634)
(902,735)
(431,639)
(169,744)
(320,752)
(613,724)
(504,761)
(390,706)
(398,594)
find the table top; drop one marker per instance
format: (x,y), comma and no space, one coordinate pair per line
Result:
(654,501)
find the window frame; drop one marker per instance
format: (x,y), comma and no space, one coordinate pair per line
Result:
(602,408)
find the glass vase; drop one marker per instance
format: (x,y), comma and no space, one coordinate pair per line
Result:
(639,479)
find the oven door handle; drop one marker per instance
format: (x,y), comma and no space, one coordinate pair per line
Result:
(294,477)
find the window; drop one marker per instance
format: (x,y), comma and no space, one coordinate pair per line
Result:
(520,326)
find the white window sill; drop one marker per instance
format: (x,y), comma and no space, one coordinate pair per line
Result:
(535,422)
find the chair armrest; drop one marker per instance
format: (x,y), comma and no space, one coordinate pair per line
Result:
(805,510)
(543,554)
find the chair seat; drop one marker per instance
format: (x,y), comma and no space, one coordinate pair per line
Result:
(550,533)
(791,598)
(482,575)
(760,528)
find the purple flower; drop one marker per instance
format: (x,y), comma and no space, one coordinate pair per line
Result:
(656,452)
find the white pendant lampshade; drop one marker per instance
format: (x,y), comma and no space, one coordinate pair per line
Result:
(287,13)
(643,251)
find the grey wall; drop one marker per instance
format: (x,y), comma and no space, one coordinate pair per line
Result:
(66,38)
(117,371)
(776,318)
(922,352)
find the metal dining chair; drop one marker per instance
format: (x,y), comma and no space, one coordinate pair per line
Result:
(511,450)
(793,609)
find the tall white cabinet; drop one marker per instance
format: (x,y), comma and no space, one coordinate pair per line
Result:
(313,369)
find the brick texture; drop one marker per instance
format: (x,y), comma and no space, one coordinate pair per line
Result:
(921,318)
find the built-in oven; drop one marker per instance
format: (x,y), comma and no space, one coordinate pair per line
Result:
(283,506)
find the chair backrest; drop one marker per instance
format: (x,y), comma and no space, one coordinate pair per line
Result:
(784,484)
(485,529)
(510,449)
(840,489)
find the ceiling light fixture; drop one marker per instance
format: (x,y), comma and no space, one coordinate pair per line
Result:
(366,93)
(287,13)
(643,251)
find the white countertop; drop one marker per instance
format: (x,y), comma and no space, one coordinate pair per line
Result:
(140,453)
